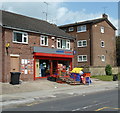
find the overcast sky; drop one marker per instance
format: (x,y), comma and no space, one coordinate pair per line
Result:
(61,13)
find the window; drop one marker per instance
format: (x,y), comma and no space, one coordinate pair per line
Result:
(103,58)
(82,43)
(44,40)
(71,28)
(20,37)
(82,58)
(102,29)
(68,44)
(81,28)
(63,44)
(102,44)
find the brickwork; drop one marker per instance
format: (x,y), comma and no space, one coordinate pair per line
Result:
(94,51)
(0,54)
(25,51)
(110,45)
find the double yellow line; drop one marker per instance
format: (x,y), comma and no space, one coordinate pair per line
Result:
(106,108)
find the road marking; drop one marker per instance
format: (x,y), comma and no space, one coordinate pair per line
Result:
(31,104)
(89,106)
(106,108)
(101,108)
(115,108)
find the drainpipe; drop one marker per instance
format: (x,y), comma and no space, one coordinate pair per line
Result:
(90,36)
(3,55)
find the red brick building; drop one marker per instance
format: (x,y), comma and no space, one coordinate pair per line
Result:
(95,43)
(33,47)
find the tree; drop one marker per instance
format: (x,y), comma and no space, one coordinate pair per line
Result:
(108,69)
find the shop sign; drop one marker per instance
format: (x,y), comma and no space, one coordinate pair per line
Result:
(59,51)
(53,51)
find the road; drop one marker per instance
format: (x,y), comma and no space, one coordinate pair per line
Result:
(102,101)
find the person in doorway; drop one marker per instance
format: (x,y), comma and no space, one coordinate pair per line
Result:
(42,70)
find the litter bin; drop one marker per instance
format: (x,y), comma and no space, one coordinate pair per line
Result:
(115,77)
(15,78)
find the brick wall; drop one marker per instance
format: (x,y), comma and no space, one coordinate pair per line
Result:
(101,70)
(93,50)
(81,50)
(0,54)
(110,45)
(24,50)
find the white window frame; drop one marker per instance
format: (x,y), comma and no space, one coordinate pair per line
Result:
(82,58)
(81,28)
(102,29)
(67,43)
(103,58)
(23,36)
(71,29)
(81,43)
(59,41)
(102,44)
(42,37)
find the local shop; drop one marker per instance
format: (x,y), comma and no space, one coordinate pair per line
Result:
(48,61)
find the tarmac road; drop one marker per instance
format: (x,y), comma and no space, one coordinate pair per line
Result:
(98,101)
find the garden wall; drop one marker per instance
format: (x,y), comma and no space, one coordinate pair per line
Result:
(101,70)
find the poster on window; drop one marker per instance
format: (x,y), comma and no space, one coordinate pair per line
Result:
(27,66)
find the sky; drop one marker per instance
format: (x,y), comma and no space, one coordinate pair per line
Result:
(61,13)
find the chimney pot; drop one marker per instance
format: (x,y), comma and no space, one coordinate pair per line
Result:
(105,15)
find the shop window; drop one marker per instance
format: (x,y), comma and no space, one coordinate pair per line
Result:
(82,43)
(81,28)
(20,37)
(63,44)
(44,40)
(103,58)
(102,44)
(82,58)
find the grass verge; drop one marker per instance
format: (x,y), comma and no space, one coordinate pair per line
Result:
(105,77)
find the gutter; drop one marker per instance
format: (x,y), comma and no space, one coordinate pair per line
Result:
(35,32)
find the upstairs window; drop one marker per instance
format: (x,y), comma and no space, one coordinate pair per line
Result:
(102,29)
(81,28)
(20,37)
(102,44)
(82,58)
(44,40)
(82,43)
(68,44)
(71,29)
(63,44)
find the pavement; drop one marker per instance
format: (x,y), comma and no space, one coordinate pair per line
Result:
(43,90)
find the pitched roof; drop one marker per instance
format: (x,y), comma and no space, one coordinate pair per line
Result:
(12,20)
(94,21)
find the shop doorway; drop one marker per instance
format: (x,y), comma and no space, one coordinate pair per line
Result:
(42,68)
(45,67)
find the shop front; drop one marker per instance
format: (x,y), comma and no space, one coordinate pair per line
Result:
(48,61)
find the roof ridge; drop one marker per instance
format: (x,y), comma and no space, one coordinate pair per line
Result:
(83,21)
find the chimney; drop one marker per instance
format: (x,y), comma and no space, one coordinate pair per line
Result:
(105,15)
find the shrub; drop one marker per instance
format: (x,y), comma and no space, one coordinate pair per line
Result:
(108,70)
